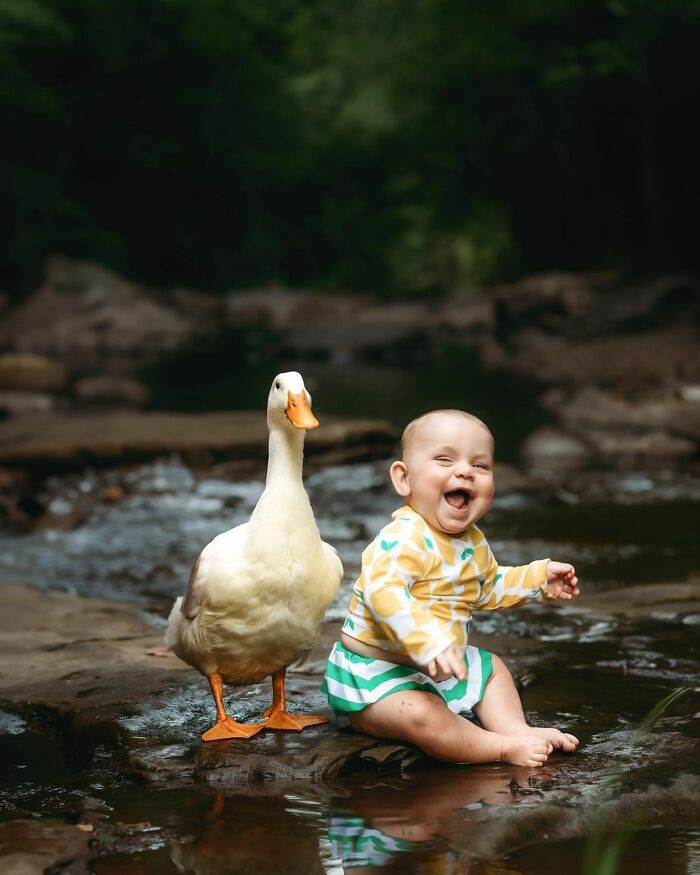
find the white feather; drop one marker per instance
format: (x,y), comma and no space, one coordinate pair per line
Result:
(258,593)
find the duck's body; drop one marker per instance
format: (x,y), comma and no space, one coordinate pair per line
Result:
(258,593)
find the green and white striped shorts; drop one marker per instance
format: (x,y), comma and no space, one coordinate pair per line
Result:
(352,682)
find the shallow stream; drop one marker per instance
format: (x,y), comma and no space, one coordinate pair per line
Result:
(596,674)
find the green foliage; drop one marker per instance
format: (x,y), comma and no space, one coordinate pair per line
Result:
(604,848)
(437,145)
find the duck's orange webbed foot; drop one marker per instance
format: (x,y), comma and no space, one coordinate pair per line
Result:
(277,715)
(230,728)
(297,722)
(225,726)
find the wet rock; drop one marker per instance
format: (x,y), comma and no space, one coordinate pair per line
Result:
(631,365)
(47,441)
(109,390)
(375,331)
(31,373)
(636,308)
(590,305)
(345,327)
(91,318)
(30,847)
(690,393)
(317,754)
(630,432)
(19,403)
(548,301)
(465,321)
(281,309)
(549,449)
(593,408)
(84,664)
(672,600)
(630,450)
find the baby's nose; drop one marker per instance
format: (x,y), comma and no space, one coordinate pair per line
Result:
(464,469)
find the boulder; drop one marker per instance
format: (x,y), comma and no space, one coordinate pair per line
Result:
(631,365)
(281,309)
(18,403)
(31,373)
(342,327)
(375,330)
(629,449)
(593,409)
(550,449)
(665,300)
(111,390)
(588,306)
(92,319)
(547,301)
(690,392)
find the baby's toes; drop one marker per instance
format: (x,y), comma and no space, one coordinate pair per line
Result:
(539,754)
(569,741)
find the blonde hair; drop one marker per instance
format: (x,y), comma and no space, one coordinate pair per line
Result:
(419,420)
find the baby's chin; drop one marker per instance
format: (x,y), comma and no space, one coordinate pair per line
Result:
(451,525)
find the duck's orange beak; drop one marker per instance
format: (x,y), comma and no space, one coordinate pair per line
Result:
(298,411)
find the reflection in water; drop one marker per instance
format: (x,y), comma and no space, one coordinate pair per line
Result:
(401,824)
(251,835)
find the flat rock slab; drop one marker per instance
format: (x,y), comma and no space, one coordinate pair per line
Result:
(653,600)
(87,665)
(70,441)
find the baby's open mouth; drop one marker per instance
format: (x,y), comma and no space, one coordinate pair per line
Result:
(458,498)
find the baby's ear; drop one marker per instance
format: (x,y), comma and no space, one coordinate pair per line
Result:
(399,477)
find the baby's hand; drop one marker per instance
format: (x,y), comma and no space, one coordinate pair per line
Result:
(562,582)
(449,662)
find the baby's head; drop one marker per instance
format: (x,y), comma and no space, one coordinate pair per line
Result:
(446,469)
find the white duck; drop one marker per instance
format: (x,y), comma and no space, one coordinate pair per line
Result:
(257,594)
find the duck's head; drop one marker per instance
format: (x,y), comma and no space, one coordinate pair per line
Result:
(289,402)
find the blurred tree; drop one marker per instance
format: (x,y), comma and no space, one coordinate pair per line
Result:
(418,147)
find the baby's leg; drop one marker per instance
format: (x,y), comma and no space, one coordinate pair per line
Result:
(500,711)
(425,720)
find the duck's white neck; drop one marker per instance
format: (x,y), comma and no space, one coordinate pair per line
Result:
(286,456)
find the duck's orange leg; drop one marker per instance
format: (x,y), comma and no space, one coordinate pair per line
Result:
(225,726)
(277,715)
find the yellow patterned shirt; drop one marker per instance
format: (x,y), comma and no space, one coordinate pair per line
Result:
(419,587)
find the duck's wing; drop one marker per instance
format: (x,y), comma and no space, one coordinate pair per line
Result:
(198,575)
(333,560)
(190,603)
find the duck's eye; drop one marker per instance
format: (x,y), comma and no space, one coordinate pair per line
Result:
(278,385)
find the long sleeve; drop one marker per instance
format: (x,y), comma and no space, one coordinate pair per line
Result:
(506,586)
(389,571)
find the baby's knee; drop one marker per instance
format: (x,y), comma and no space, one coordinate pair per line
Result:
(499,667)
(423,713)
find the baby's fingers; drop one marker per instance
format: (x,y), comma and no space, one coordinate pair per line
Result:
(431,669)
(455,664)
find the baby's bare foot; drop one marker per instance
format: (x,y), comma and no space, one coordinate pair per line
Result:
(558,739)
(525,750)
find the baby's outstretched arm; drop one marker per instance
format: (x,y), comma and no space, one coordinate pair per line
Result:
(562,582)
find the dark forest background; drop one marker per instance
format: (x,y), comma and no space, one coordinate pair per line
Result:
(406,147)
